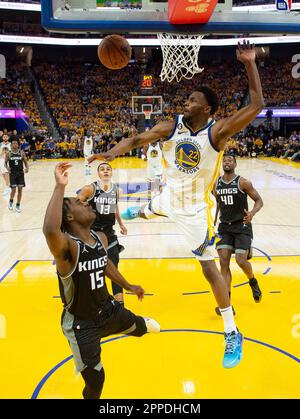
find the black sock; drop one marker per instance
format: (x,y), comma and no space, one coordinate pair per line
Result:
(11,201)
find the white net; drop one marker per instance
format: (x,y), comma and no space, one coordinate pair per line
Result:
(180,56)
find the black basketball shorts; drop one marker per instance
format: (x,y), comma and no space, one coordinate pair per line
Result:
(16,180)
(84,336)
(237,242)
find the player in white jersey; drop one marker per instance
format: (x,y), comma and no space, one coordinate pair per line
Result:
(87,152)
(154,164)
(5,147)
(193,154)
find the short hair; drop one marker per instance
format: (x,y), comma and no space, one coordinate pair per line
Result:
(64,221)
(103,162)
(15,140)
(211,97)
(230,155)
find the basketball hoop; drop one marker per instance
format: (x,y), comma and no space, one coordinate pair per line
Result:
(180,56)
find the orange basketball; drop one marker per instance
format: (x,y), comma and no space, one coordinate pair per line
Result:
(114,52)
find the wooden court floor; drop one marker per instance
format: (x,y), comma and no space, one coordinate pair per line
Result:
(185,360)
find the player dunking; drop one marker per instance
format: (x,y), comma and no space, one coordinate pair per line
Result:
(15,161)
(103,196)
(192,154)
(235,226)
(90,313)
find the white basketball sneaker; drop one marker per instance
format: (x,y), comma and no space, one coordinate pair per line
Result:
(152,325)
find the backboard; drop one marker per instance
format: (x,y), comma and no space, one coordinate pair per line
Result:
(151,17)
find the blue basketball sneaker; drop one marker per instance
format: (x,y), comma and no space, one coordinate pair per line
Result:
(131,213)
(233,349)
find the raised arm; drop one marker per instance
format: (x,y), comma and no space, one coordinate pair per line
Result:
(226,127)
(63,248)
(161,130)
(86,193)
(247,187)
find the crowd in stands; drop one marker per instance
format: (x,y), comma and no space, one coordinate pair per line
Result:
(270,146)
(87,99)
(16,93)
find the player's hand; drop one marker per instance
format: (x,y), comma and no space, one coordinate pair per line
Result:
(26,170)
(108,156)
(61,173)
(248,217)
(123,229)
(138,290)
(245,52)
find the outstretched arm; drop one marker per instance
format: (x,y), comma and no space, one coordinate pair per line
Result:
(226,127)
(85,193)
(247,187)
(161,130)
(61,246)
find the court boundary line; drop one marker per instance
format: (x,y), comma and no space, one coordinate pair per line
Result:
(41,383)
(9,270)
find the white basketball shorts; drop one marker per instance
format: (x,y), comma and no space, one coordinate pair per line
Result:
(193,224)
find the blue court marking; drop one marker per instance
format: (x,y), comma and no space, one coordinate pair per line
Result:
(8,271)
(197,292)
(64,361)
(240,285)
(275,292)
(264,273)
(264,253)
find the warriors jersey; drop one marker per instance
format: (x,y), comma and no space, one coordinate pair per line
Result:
(88,146)
(105,205)
(154,155)
(192,164)
(232,202)
(84,290)
(15,162)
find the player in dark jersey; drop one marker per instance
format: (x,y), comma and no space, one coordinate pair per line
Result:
(235,229)
(103,196)
(89,313)
(15,161)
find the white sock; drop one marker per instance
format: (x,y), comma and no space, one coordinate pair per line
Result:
(229,323)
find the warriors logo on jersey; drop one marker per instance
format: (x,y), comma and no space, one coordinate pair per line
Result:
(187,155)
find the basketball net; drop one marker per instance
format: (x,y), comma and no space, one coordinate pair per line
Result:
(180,51)
(180,56)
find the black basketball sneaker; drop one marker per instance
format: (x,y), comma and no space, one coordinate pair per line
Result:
(256,292)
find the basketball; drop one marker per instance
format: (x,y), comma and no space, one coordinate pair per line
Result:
(114,52)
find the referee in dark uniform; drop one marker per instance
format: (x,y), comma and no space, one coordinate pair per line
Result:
(89,313)
(103,196)
(235,229)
